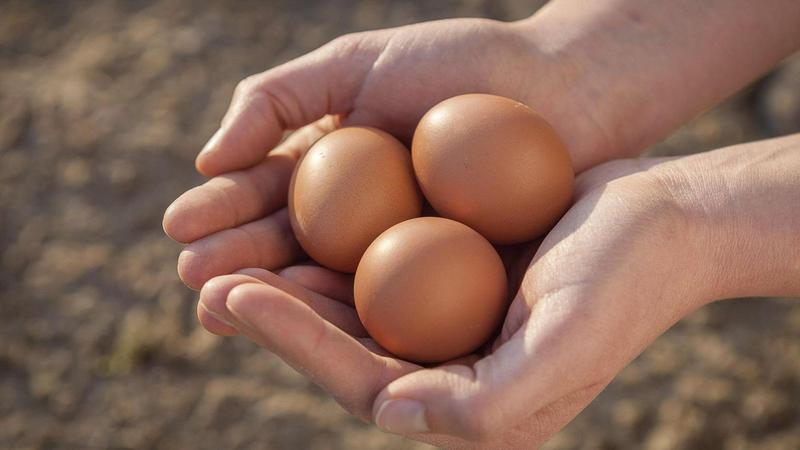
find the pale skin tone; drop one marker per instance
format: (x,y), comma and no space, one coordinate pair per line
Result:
(646,242)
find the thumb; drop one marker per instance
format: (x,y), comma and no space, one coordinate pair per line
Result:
(555,358)
(468,402)
(287,97)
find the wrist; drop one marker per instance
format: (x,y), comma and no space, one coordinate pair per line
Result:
(674,270)
(741,204)
(639,70)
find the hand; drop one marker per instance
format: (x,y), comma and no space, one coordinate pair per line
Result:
(605,282)
(565,336)
(646,242)
(385,78)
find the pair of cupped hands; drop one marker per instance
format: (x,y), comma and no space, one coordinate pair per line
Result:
(617,270)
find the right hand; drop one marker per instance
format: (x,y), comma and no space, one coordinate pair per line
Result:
(610,276)
(647,241)
(386,79)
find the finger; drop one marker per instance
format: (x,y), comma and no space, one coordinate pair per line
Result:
(267,243)
(215,292)
(214,324)
(298,142)
(230,200)
(287,97)
(531,431)
(212,301)
(337,312)
(336,285)
(289,328)
(536,367)
(236,198)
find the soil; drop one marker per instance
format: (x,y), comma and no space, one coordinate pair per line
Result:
(103,106)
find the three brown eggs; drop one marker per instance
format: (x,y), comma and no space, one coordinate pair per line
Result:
(431,289)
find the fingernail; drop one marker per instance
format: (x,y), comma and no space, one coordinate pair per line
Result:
(212,143)
(402,417)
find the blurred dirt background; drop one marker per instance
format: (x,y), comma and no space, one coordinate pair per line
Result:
(103,106)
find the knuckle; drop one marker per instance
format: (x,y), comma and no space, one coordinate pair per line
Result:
(343,41)
(248,85)
(190,269)
(346,45)
(318,340)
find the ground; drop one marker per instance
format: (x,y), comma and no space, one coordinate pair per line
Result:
(103,107)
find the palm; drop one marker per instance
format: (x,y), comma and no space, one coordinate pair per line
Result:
(587,228)
(549,298)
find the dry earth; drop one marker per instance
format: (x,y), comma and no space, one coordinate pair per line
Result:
(102,108)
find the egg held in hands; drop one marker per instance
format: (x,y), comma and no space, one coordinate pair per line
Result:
(430,290)
(494,164)
(351,185)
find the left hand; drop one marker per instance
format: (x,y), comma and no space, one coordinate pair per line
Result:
(619,268)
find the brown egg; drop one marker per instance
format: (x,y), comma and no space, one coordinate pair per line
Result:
(430,289)
(493,164)
(351,185)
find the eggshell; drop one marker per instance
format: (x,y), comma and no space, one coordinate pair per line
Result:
(493,164)
(430,289)
(351,185)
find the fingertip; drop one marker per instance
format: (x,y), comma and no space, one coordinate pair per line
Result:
(186,219)
(192,268)
(441,392)
(214,293)
(214,325)
(204,162)
(203,167)
(214,298)
(244,141)
(170,223)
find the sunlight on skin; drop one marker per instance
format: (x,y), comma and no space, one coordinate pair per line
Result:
(628,260)
(218,300)
(574,323)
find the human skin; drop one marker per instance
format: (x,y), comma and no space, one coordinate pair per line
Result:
(647,242)
(612,78)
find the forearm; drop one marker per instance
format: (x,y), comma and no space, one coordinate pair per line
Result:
(743,202)
(646,67)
